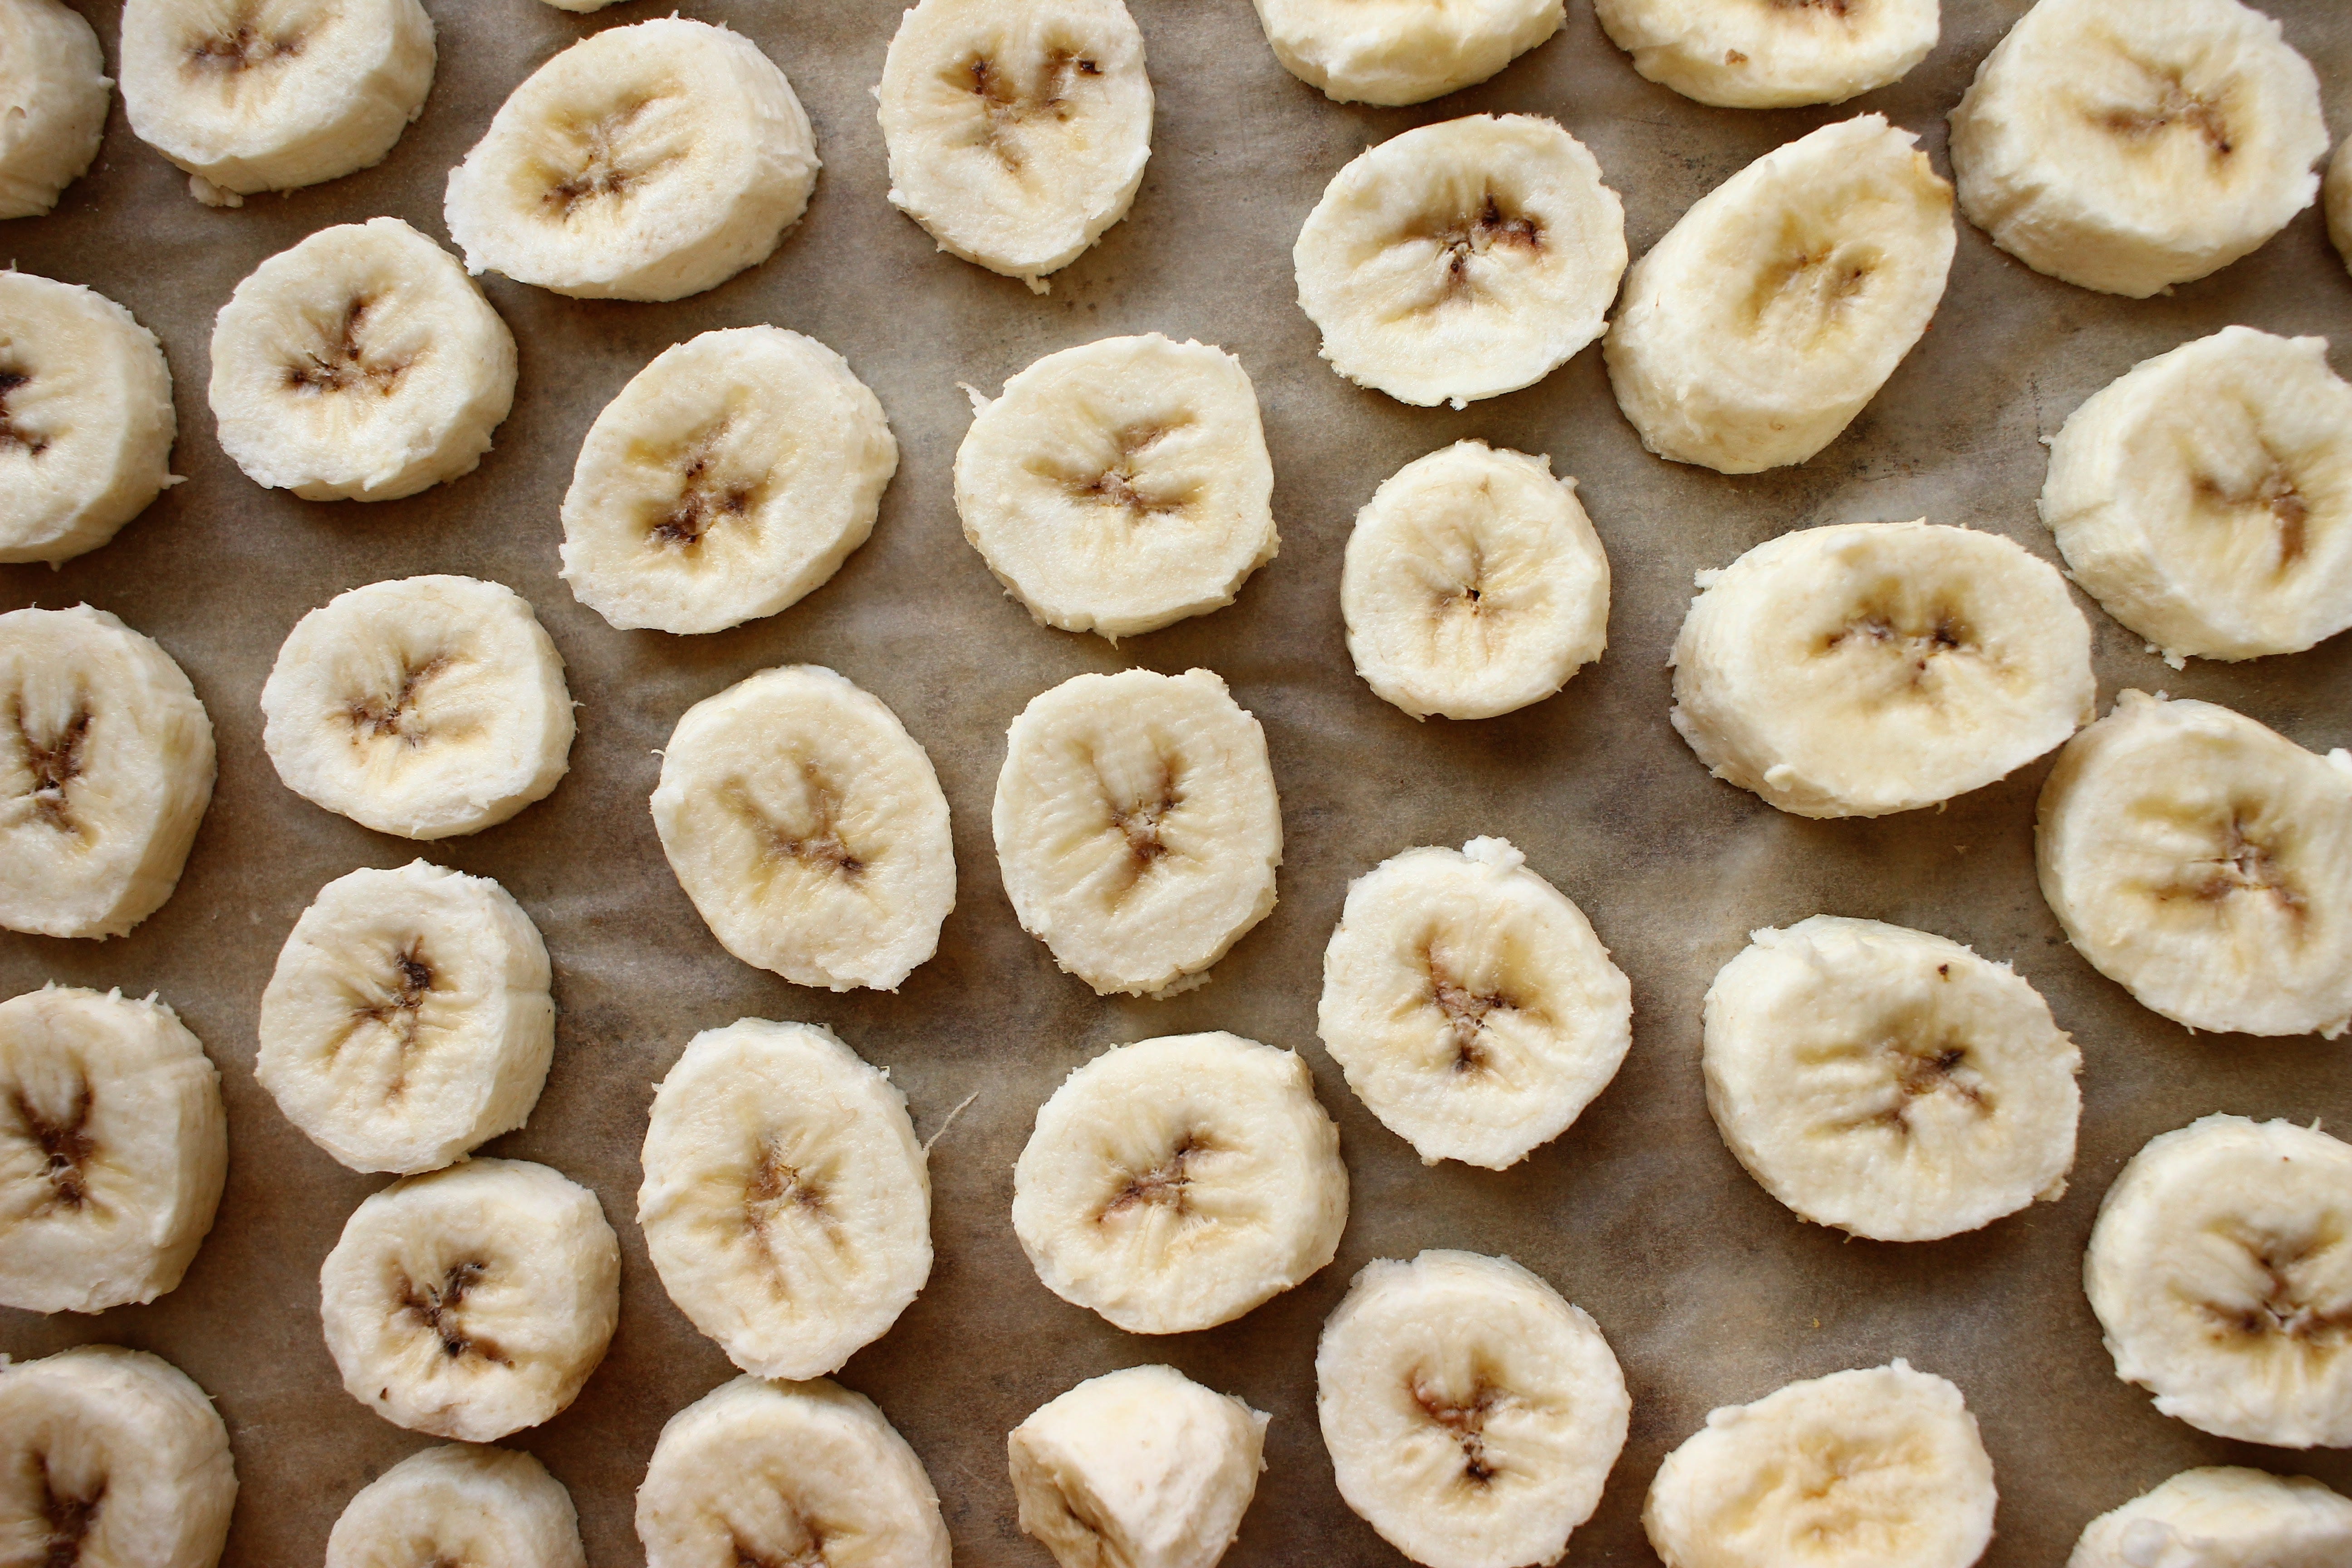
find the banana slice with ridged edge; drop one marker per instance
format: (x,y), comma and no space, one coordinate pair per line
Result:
(459,1504)
(1395,52)
(54,78)
(1771,54)
(2222,1516)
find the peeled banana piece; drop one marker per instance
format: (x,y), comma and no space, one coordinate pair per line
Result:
(2337,196)
(1771,54)
(459,1505)
(2222,1516)
(1395,52)
(53,79)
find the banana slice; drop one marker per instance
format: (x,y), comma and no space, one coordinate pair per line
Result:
(1470,1004)
(1137,827)
(1396,52)
(2338,197)
(730,479)
(1461,260)
(106,767)
(1474,584)
(1868,667)
(1471,1415)
(53,79)
(472,1301)
(424,707)
(2222,1517)
(2128,151)
(1119,486)
(1771,54)
(1017,129)
(459,1505)
(808,829)
(1140,1468)
(1176,1184)
(1776,307)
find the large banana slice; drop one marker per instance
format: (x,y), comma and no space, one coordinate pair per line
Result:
(642,163)
(2338,197)
(808,828)
(106,767)
(1120,485)
(2204,863)
(2129,150)
(1867,668)
(1776,307)
(1474,584)
(1137,827)
(2222,1517)
(53,79)
(1176,1184)
(1771,54)
(732,477)
(1461,260)
(459,1505)
(1402,51)
(1017,129)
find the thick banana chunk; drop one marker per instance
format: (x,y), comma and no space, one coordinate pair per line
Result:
(1771,54)
(2128,148)
(2338,197)
(730,479)
(642,163)
(1175,1183)
(1776,307)
(2222,1517)
(1461,260)
(1471,1415)
(53,79)
(1402,51)
(459,1505)
(1867,668)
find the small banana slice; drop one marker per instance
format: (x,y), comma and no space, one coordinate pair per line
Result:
(1396,52)
(1474,584)
(106,767)
(2204,864)
(1461,260)
(424,707)
(2338,197)
(2222,1517)
(459,1505)
(730,479)
(1176,1184)
(2127,150)
(53,79)
(1471,1415)
(1137,827)
(1775,309)
(808,829)
(1868,667)
(644,163)
(1771,54)
(1017,129)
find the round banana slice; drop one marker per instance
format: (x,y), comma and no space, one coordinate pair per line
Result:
(2204,864)
(1868,667)
(408,1019)
(472,1301)
(1470,1004)
(1176,1184)
(729,480)
(2129,150)
(1137,827)
(1395,52)
(2222,1517)
(1017,129)
(1776,307)
(1461,260)
(106,767)
(1474,584)
(459,1505)
(2338,197)
(424,707)
(2205,497)
(808,829)
(1120,485)
(54,79)
(1771,54)
(1471,1415)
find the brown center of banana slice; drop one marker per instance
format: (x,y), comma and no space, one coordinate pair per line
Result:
(396,1006)
(2271,499)
(1913,640)
(237,45)
(1114,485)
(393,715)
(340,359)
(2246,864)
(778,1187)
(52,762)
(2288,1309)
(439,1308)
(707,497)
(1465,1007)
(1006,103)
(68,1518)
(12,434)
(817,843)
(598,157)
(2166,104)
(1491,227)
(1165,1185)
(64,1143)
(1464,1420)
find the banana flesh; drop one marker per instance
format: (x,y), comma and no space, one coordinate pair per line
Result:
(463,1506)
(2337,196)
(2222,1517)
(1771,54)
(54,79)
(1395,52)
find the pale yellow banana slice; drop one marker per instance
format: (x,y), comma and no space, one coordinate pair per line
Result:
(53,81)
(458,1506)
(1402,51)
(2338,197)
(2222,1517)
(1771,54)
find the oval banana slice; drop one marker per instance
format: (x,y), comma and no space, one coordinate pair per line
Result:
(461,1504)
(1461,260)
(1771,54)
(1176,1184)
(729,480)
(54,78)
(1470,1413)
(1119,486)
(2338,197)
(2223,1515)
(1396,52)
(1867,668)
(1775,309)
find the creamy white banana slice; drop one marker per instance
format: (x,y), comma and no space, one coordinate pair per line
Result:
(2222,1516)
(459,1505)
(808,828)
(644,163)
(1402,51)
(2128,149)
(53,79)
(1771,54)
(1461,260)
(1867,668)
(106,767)
(1775,309)
(1137,827)
(1176,1184)
(1120,485)
(2338,195)
(730,479)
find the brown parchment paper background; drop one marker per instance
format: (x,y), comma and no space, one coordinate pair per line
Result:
(1710,1292)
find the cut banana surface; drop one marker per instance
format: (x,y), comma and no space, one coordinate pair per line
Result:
(1175,1183)
(53,79)
(730,479)
(1771,54)
(1402,51)
(808,828)
(1775,309)
(2338,197)
(1866,668)
(460,1505)
(1120,485)
(2222,1517)
(1461,260)
(1137,828)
